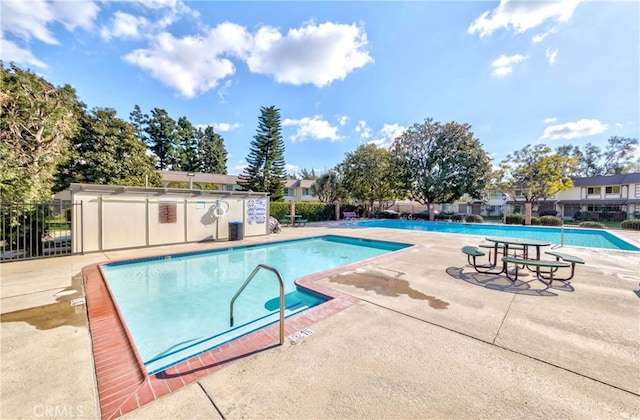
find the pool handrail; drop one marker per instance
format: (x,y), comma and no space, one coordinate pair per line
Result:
(244,285)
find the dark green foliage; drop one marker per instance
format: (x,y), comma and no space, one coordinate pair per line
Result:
(265,171)
(139,122)
(548,213)
(163,142)
(328,187)
(212,153)
(633,224)
(514,219)
(550,221)
(594,225)
(313,212)
(474,218)
(187,152)
(618,157)
(106,150)
(370,174)
(36,122)
(442,162)
(535,221)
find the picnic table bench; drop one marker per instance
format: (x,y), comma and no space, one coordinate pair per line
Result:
(297,220)
(349,215)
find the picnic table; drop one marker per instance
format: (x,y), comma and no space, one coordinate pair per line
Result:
(295,219)
(544,269)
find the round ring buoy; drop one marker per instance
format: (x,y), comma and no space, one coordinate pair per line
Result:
(218,212)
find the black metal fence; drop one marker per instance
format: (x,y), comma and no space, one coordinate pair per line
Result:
(36,230)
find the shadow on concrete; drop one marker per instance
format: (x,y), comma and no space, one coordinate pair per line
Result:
(56,314)
(530,286)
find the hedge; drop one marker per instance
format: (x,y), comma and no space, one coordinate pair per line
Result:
(474,218)
(514,219)
(595,225)
(550,221)
(313,212)
(633,224)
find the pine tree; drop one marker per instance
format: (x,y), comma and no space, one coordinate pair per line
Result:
(212,153)
(139,122)
(266,166)
(187,156)
(162,138)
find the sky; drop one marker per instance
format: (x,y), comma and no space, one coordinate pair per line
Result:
(346,73)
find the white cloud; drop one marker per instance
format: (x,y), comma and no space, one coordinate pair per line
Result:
(522,15)
(387,134)
(194,64)
(342,120)
(365,132)
(314,128)
(29,20)
(619,125)
(541,36)
(503,65)
(224,89)
(224,127)
(124,25)
(238,169)
(9,51)
(314,54)
(550,120)
(571,130)
(289,168)
(552,55)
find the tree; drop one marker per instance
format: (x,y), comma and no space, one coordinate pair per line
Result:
(106,150)
(371,174)
(161,130)
(442,162)
(304,174)
(37,121)
(328,187)
(212,153)
(535,174)
(139,122)
(266,166)
(187,153)
(620,156)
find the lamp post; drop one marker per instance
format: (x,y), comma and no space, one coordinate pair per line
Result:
(191,175)
(505,197)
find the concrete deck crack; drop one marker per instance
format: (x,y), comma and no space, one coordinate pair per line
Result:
(211,400)
(503,319)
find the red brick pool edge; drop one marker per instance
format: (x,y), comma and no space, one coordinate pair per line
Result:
(124,385)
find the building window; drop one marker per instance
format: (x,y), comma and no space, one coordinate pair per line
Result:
(306,191)
(593,190)
(614,189)
(288,192)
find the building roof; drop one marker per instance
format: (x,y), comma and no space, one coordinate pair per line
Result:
(180,176)
(594,181)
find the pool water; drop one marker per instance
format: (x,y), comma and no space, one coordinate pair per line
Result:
(177,307)
(591,238)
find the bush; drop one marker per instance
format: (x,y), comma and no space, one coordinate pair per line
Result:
(474,218)
(457,217)
(633,224)
(595,225)
(514,219)
(535,221)
(313,212)
(385,215)
(550,221)
(548,213)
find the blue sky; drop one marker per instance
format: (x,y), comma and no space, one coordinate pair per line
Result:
(346,73)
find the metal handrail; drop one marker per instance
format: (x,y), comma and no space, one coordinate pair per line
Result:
(244,285)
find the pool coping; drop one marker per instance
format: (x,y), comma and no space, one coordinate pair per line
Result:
(122,381)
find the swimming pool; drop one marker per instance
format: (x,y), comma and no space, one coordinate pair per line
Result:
(591,238)
(176,307)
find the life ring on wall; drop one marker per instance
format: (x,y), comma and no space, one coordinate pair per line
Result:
(219,209)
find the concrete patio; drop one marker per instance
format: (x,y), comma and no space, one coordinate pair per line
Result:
(429,338)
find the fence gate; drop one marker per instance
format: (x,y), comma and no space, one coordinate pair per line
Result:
(37,230)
